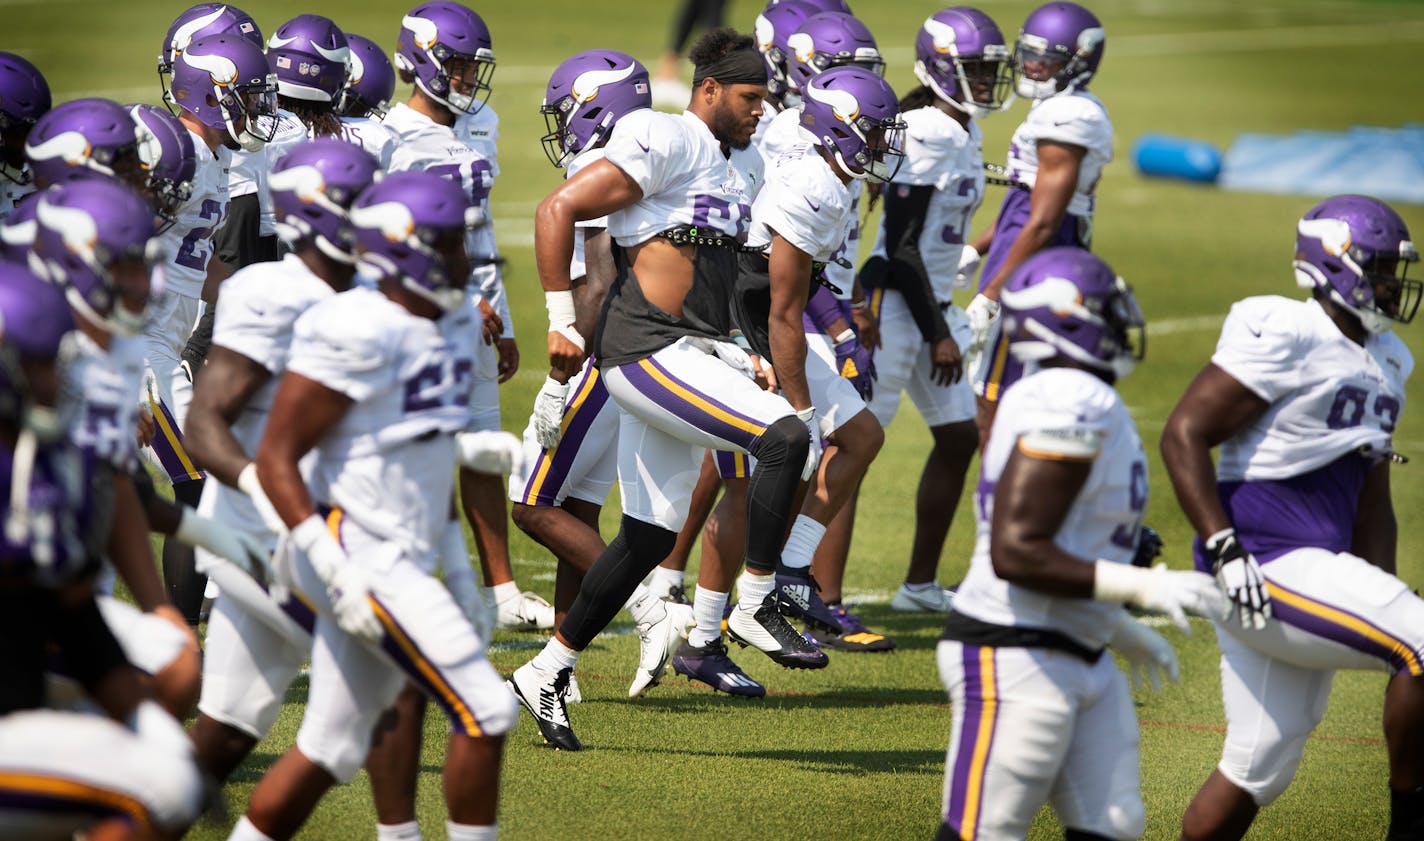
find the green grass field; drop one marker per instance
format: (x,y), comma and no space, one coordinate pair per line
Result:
(857,750)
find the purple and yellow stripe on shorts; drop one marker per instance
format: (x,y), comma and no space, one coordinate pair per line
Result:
(688,404)
(54,795)
(731,464)
(418,667)
(995,380)
(976,740)
(551,470)
(168,445)
(1349,629)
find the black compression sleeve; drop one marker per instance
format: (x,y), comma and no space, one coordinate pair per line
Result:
(905,211)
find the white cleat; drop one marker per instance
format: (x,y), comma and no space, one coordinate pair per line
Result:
(932,599)
(657,642)
(525,612)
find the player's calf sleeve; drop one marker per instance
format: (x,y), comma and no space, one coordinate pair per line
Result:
(631,555)
(1406,815)
(780,454)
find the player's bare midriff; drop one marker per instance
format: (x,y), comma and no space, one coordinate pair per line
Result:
(664,272)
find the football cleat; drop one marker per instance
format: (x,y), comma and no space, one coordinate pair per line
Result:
(765,629)
(796,597)
(572,695)
(526,612)
(711,665)
(854,636)
(656,643)
(544,694)
(677,594)
(931,599)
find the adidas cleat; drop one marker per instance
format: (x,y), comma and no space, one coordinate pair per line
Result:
(854,637)
(710,664)
(544,694)
(656,643)
(796,598)
(768,631)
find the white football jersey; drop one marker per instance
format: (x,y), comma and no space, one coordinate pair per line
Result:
(578,266)
(480,131)
(805,203)
(1076,118)
(1327,395)
(370,135)
(783,134)
(768,113)
(1062,413)
(685,178)
(10,195)
(100,391)
(425,145)
(941,153)
(248,170)
(188,242)
(256,315)
(388,462)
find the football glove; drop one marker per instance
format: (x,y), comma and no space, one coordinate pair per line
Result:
(496,452)
(813,456)
(1240,579)
(548,416)
(225,542)
(347,584)
(982,313)
(968,268)
(1146,652)
(1159,590)
(853,362)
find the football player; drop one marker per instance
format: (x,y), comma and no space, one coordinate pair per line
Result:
(378,380)
(1039,714)
(444,50)
(24,100)
(1056,158)
(366,98)
(124,770)
(257,642)
(962,63)
(168,159)
(226,97)
(1296,519)
(309,55)
(679,207)
(571,440)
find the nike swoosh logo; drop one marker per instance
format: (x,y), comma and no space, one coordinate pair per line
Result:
(279,42)
(815,208)
(1253,331)
(916,139)
(641,146)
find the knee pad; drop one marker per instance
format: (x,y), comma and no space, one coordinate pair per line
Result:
(338,750)
(784,443)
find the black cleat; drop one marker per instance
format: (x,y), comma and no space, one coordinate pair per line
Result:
(769,632)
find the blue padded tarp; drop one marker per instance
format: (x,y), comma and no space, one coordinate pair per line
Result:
(1387,163)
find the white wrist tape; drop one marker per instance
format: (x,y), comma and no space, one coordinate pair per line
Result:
(561,309)
(1120,583)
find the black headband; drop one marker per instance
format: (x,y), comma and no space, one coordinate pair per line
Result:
(738,67)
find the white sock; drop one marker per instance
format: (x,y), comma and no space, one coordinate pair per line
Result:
(408,831)
(555,657)
(504,592)
(245,831)
(752,589)
(664,580)
(645,607)
(707,607)
(466,832)
(805,536)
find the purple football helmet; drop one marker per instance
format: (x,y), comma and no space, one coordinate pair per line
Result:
(33,315)
(24,98)
(855,116)
(17,232)
(313,187)
(818,5)
(373,80)
(234,72)
(310,57)
(830,39)
(93,239)
(1354,248)
(587,94)
(405,226)
(92,133)
(441,44)
(168,158)
(960,54)
(1062,44)
(196,22)
(1065,302)
(773,27)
